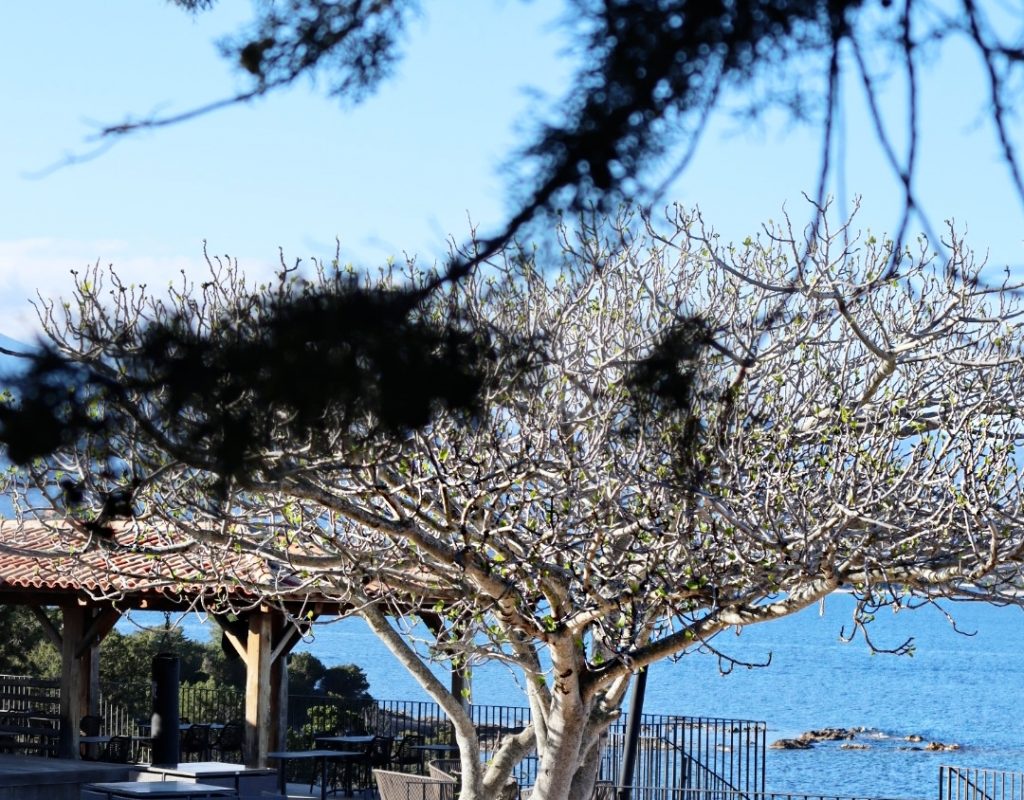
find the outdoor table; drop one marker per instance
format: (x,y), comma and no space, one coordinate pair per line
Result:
(244,780)
(284,756)
(436,748)
(179,790)
(361,740)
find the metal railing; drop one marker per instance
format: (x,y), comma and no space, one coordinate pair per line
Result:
(611,791)
(709,757)
(696,753)
(966,783)
(21,693)
(202,704)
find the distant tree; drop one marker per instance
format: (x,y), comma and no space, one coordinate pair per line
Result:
(305,671)
(25,650)
(700,438)
(348,682)
(126,665)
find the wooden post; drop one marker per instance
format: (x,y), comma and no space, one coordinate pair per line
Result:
(264,641)
(89,701)
(72,679)
(258,689)
(279,672)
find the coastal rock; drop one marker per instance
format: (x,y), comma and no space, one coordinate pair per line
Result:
(941,747)
(791,744)
(827,734)
(914,737)
(854,746)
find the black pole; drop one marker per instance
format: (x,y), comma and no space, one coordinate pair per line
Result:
(166,676)
(636,711)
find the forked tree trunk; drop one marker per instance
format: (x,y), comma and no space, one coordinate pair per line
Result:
(562,758)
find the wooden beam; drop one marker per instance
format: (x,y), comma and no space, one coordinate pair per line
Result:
(236,632)
(101,624)
(52,634)
(287,640)
(258,689)
(289,633)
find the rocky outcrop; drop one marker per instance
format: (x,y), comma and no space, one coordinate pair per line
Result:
(791,744)
(828,734)
(941,747)
(853,739)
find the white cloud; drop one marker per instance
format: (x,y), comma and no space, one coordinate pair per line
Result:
(30,268)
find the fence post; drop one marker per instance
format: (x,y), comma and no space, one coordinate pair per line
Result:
(636,711)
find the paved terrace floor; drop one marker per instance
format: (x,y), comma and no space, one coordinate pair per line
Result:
(35,778)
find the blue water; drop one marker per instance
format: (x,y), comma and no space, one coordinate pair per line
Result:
(960,689)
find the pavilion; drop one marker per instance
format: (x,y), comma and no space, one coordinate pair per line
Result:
(94,579)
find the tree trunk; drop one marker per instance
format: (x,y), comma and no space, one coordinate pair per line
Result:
(560,760)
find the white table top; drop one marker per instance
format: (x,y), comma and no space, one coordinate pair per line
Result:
(209,768)
(158,788)
(293,754)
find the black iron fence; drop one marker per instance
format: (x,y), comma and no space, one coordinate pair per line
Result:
(203,704)
(703,754)
(712,759)
(611,791)
(19,693)
(960,783)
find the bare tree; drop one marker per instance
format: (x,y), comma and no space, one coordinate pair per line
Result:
(697,438)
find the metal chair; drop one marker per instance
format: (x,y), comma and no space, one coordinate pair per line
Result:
(405,756)
(377,756)
(91,725)
(379,752)
(195,741)
(404,786)
(118,750)
(229,740)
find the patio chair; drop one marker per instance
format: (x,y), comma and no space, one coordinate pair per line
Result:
(195,741)
(404,786)
(405,755)
(443,768)
(118,750)
(379,752)
(229,740)
(377,756)
(90,725)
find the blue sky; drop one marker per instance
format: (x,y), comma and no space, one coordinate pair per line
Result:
(398,174)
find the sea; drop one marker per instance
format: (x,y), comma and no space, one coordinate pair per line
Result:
(963,685)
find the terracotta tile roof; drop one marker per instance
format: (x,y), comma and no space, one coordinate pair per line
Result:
(54,556)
